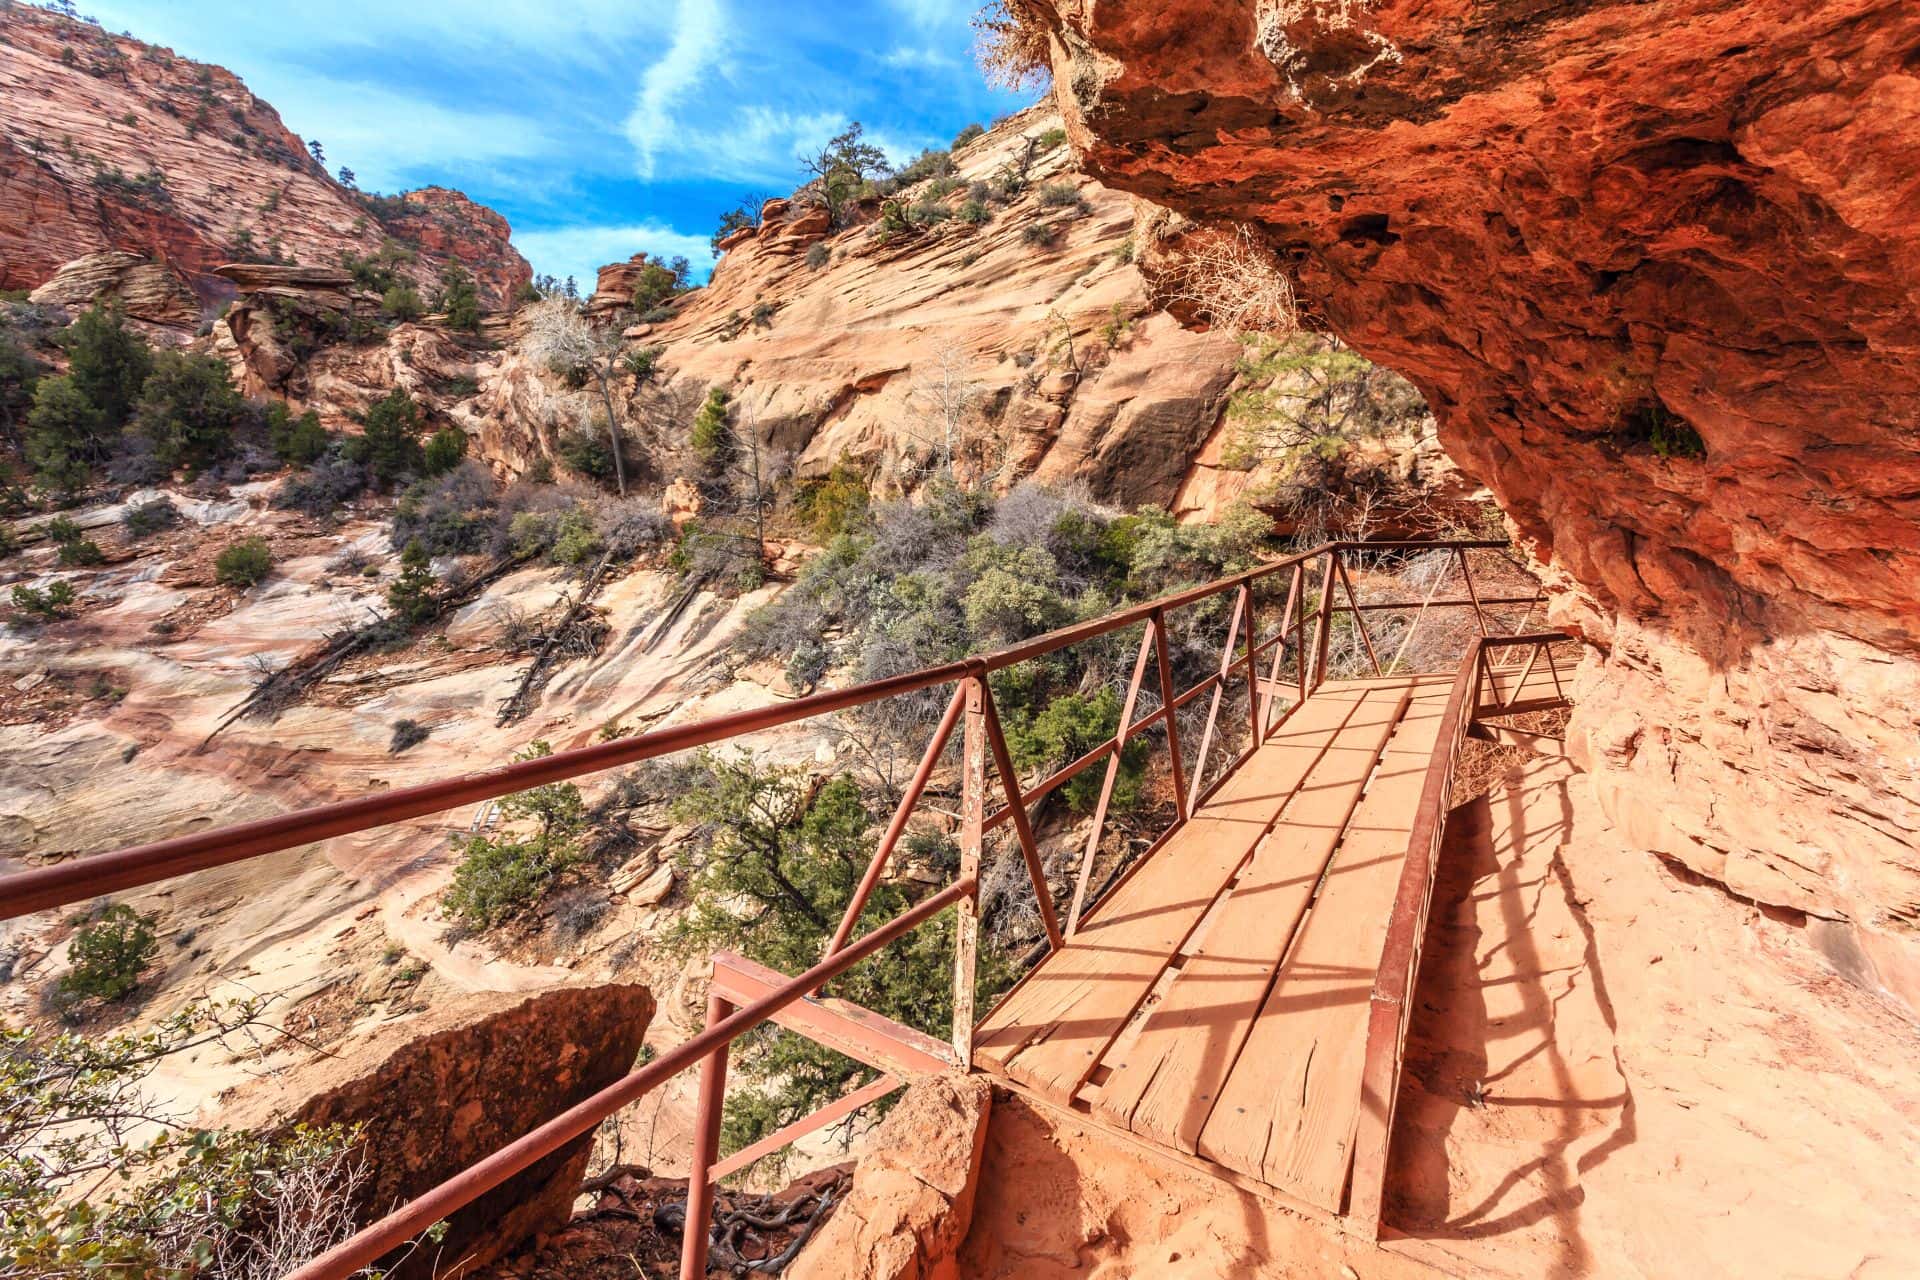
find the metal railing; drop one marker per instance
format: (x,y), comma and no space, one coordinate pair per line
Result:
(1305,629)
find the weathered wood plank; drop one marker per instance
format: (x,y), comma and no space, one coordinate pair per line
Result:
(1166,1087)
(1051,1033)
(1287,1113)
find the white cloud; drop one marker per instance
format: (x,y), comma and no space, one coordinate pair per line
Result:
(937,12)
(909,58)
(391,139)
(698,43)
(580,252)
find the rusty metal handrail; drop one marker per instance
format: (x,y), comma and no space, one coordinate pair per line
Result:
(89,876)
(1389,1002)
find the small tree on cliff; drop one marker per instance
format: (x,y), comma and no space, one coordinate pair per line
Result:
(842,167)
(459,300)
(562,338)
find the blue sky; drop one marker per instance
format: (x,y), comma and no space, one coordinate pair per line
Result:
(598,127)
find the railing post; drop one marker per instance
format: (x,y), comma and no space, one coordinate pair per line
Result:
(1253,666)
(1120,734)
(1466,573)
(973,813)
(706,1150)
(1323,633)
(1157,621)
(1022,824)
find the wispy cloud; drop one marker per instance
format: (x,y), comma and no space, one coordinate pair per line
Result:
(908,58)
(581,251)
(698,43)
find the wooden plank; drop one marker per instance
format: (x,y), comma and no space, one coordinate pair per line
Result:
(1165,1088)
(1051,1032)
(1287,1114)
(861,1034)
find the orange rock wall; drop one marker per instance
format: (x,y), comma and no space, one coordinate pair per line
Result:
(79,102)
(1587,231)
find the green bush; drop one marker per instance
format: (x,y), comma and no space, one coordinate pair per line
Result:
(1066,728)
(189,410)
(244,563)
(150,518)
(54,602)
(975,213)
(712,436)
(75,547)
(459,300)
(1062,195)
(389,442)
(967,135)
(402,302)
(77,419)
(834,504)
(107,957)
(498,877)
(444,451)
(411,597)
(297,441)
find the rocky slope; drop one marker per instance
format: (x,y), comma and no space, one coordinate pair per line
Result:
(110,143)
(1652,265)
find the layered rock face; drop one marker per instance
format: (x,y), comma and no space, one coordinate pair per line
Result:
(476,1073)
(109,143)
(1656,270)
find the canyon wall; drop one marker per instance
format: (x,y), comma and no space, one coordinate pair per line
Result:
(110,143)
(1655,267)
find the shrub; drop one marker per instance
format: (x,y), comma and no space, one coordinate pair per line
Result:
(1037,234)
(459,300)
(1062,195)
(712,437)
(108,956)
(967,135)
(407,733)
(1051,139)
(585,450)
(402,302)
(498,877)
(389,443)
(244,563)
(835,504)
(445,448)
(930,213)
(75,547)
(930,163)
(451,515)
(575,539)
(189,410)
(54,602)
(1066,728)
(295,440)
(642,362)
(150,518)
(818,255)
(975,213)
(411,597)
(323,487)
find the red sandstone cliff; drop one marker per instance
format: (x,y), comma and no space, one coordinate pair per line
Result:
(109,143)
(1655,267)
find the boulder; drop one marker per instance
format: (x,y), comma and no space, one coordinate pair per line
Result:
(145,289)
(913,1192)
(471,1075)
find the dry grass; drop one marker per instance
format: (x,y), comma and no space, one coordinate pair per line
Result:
(1010,45)
(1236,283)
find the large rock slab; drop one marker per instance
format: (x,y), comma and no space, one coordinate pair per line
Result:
(468,1078)
(913,1192)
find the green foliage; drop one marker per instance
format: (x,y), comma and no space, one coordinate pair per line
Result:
(20,373)
(294,440)
(975,213)
(54,602)
(244,563)
(448,515)
(411,596)
(585,450)
(740,219)
(184,1204)
(107,956)
(575,539)
(967,135)
(841,169)
(402,302)
(389,443)
(1066,728)
(379,271)
(76,419)
(1062,195)
(712,437)
(1014,591)
(931,163)
(642,362)
(445,450)
(108,363)
(150,518)
(771,868)
(189,410)
(1051,139)
(75,547)
(459,299)
(657,281)
(498,877)
(835,504)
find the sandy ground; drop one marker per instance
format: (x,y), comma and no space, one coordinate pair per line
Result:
(1613,1072)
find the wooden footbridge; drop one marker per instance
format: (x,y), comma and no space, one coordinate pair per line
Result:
(1235,998)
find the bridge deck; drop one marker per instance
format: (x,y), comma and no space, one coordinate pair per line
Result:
(1216,1003)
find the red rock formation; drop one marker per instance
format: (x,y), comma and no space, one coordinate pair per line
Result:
(1656,268)
(109,143)
(476,1073)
